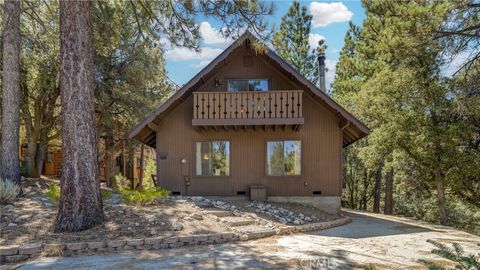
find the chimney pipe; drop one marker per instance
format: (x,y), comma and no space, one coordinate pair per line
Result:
(321,71)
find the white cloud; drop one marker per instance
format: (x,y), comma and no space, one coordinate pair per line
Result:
(185,54)
(212,36)
(313,40)
(327,13)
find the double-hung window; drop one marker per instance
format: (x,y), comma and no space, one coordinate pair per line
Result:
(212,158)
(256,85)
(284,158)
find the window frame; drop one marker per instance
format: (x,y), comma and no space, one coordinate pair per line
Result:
(248,79)
(301,175)
(194,159)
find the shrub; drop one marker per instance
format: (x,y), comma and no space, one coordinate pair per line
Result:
(143,197)
(106,194)
(53,193)
(8,191)
(455,255)
(147,182)
(122,182)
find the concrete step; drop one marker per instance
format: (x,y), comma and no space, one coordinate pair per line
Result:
(237,221)
(255,231)
(218,213)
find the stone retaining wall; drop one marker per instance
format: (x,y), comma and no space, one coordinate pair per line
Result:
(17,253)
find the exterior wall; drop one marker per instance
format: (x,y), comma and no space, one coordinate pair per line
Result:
(321,146)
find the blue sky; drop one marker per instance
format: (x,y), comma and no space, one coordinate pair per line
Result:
(330,21)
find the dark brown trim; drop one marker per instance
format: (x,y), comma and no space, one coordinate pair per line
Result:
(194,161)
(248,122)
(301,175)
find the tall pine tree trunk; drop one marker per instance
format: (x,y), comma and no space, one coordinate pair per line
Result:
(442,210)
(378,189)
(388,209)
(9,152)
(80,204)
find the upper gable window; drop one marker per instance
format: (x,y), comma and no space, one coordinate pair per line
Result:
(257,85)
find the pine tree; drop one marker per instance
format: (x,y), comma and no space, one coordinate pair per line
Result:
(9,161)
(80,205)
(291,42)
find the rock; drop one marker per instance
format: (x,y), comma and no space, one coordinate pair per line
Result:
(188,218)
(137,224)
(46,204)
(11,224)
(95,245)
(283,221)
(243,237)
(23,218)
(308,219)
(16,258)
(115,243)
(29,249)
(8,250)
(153,231)
(7,207)
(75,246)
(196,216)
(296,222)
(177,226)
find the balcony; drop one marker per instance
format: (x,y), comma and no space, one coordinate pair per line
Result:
(248,109)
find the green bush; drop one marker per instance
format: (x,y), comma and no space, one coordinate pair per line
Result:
(106,194)
(147,182)
(122,182)
(8,191)
(143,197)
(53,193)
(455,255)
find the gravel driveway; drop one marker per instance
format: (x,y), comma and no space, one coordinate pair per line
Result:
(382,241)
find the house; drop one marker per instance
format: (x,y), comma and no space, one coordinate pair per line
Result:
(248,120)
(123,162)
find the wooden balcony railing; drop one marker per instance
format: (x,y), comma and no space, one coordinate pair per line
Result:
(248,108)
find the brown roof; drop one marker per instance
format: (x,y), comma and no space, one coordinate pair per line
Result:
(354,128)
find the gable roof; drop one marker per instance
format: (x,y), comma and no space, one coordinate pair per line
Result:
(352,128)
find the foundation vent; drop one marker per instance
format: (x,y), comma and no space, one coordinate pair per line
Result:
(317,192)
(241,193)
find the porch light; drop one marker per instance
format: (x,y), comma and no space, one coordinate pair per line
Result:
(206,157)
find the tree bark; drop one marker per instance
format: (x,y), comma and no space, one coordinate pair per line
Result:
(9,152)
(442,211)
(388,209)
(378,189)
(41,151)
(80,204)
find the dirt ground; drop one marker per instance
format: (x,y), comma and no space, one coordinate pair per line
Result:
(30,219)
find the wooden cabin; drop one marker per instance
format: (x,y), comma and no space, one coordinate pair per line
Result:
(250,122)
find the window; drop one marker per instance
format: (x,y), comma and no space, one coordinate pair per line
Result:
(284,158)
(247,85)
(212,158)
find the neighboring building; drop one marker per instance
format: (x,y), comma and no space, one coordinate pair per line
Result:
(250,119)
(120,165)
